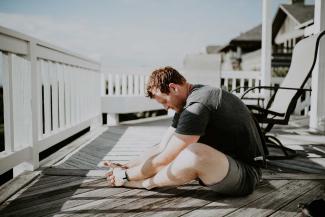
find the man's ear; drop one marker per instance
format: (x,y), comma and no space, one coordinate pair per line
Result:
(173,87)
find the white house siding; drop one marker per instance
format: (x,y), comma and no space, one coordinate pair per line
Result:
(227,58)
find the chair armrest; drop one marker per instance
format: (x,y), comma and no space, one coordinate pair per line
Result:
(264,111)
(292,88)
(272,88)
(257,87)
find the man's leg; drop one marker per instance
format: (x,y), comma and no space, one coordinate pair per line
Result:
(196,161)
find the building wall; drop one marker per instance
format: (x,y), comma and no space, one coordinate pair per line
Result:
(227,60)
(251,61)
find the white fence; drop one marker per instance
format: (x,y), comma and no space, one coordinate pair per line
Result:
(230,80)
(125,84)
(125,93)
(49,95)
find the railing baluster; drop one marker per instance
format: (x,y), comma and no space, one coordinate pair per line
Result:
(46,102)
(233,84)
(61,96)
(130,84)
(226,83)
(117,85)
(72,95)
(142,85)
(124,84)
(250,84)
(55,104)
(136,85)
(242,84)
(110,84)
(67,75)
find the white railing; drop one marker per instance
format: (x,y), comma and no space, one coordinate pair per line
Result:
(233,79)
(230,80)
(125,93)
(49,95)
(125,84)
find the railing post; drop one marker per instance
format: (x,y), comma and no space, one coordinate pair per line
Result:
(8,104)
(35,101)
(266,45)
(317,113)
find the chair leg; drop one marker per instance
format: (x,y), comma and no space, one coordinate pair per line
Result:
(274,142)
(268,128)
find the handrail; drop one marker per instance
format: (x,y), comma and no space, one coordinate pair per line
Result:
(15,42)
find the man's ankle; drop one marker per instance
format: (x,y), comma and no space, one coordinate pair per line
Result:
(148,184)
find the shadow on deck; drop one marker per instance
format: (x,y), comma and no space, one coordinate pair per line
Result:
(74,185)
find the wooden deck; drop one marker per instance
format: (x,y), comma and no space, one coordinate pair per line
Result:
(74,186)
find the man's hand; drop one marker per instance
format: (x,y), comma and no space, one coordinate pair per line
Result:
(117,177)
(110,178)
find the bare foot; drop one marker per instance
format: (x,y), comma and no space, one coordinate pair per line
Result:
(110,164)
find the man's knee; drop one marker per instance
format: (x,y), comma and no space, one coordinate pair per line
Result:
(203,151)
(194,153)
(200,154)
(190,156)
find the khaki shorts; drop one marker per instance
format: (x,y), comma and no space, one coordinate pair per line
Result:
(240,180)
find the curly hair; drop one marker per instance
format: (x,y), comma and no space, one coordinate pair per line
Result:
(161,78)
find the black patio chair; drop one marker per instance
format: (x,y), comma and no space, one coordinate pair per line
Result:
(284,98)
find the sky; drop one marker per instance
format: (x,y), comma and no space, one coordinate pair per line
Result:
(126,34)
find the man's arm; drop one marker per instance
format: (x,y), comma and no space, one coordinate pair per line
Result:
(156,162)
(153,151)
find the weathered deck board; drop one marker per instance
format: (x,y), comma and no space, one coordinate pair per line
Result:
(275,200)
(16,184)
(131,201)
(228,205)
(77,187)
(110,145)
(291,210)
(37,199)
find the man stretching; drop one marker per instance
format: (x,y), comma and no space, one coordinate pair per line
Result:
(213,139)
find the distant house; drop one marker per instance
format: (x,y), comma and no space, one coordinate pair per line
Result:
(288,27)
(287,30)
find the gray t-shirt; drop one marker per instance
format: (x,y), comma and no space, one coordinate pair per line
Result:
(222,121)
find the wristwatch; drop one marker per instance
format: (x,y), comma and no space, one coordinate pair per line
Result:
(121,176)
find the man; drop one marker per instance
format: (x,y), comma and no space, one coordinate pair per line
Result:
(213,139)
